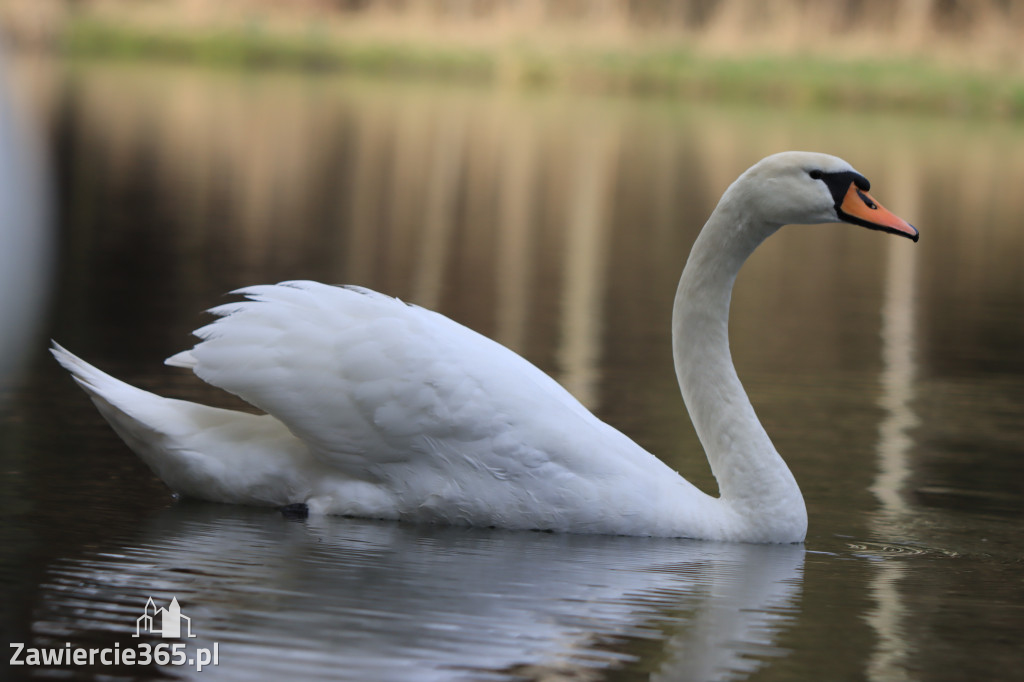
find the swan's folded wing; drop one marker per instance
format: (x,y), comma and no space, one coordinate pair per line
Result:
(368,381)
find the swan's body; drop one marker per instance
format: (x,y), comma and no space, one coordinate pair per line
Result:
(380,409)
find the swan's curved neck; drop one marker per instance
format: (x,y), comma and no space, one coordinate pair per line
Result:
(754,482)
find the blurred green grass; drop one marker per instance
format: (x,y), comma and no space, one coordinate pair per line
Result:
(805,80)
(250,47)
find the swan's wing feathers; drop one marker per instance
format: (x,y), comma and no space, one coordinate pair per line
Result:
(367,380)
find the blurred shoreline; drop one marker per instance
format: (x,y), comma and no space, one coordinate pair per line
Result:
(958,59)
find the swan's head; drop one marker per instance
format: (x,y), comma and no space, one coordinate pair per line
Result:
(808,188)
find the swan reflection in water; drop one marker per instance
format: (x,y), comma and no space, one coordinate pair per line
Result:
(351,599)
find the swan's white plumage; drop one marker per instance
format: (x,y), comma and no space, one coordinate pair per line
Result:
(382,409)
(388,410)
(418,405)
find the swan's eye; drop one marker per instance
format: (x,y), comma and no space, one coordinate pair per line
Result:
(815,174)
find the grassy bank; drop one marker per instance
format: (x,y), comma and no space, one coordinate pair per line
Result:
(253,48)
(907,84)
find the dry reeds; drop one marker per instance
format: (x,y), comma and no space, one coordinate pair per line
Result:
(982,33)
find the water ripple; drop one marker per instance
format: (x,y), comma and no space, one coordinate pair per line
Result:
(873,549)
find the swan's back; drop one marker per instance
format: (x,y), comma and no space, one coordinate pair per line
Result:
(439,420)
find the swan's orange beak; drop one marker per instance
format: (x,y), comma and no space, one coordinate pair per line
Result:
(860,208)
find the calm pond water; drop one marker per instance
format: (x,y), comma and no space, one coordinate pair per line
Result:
(890,375)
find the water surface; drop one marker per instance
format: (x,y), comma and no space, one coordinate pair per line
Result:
(890,375)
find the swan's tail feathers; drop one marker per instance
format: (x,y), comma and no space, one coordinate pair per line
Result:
(199,451)
(94,382)
(117,401)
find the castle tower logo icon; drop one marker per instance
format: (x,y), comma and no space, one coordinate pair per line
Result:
(165,622)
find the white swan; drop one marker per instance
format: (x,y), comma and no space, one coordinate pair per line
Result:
(380,409)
